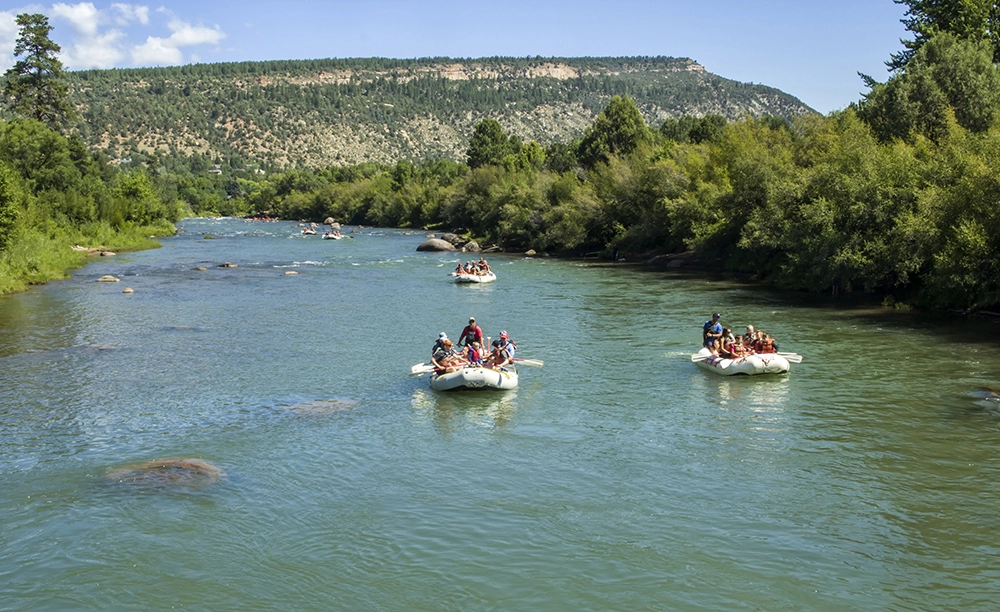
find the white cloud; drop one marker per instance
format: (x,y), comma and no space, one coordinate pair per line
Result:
(84,17)
(91,47)
(160,51)
(8,36)
(99,38)
(102,51)
(186,35)
(127,13)
(156,51)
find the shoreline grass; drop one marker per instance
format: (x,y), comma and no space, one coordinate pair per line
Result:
(39,255)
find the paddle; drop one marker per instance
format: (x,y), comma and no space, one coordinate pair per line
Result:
(421,368)
(699,357)
(535,363)
(791,357)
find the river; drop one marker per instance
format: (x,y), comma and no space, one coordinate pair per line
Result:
(619,476)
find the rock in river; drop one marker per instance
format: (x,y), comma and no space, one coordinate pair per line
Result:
(436,244)
(169,472)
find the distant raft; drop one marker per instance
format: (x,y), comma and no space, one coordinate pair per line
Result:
(764,363)
(475,378)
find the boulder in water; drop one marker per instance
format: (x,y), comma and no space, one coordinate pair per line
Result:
(471,247)
(107,278)
(436,244)
(169,472)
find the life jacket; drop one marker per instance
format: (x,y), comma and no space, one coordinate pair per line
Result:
(510,347)
(474,356)
(469,334)
(766,346)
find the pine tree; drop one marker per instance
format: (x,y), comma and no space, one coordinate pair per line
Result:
(34,83)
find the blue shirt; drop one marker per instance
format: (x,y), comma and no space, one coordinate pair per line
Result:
(712,328)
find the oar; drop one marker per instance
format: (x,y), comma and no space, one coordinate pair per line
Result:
(535,363)
(699,357)
(792,357)
(421,368)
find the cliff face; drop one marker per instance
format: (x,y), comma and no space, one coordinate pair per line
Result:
(319,112)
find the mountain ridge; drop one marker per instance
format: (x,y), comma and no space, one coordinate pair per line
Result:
(314,113)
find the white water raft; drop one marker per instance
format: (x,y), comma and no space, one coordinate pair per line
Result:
(765,363)
(489,277)
(475,378)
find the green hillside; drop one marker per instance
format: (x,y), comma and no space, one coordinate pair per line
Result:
(315,113)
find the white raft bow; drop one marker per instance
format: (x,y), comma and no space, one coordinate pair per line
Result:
(765,363)
(489,277)
(474,377)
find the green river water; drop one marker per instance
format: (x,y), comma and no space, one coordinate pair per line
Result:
(617,477)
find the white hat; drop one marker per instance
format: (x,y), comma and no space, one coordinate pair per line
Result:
(442,336)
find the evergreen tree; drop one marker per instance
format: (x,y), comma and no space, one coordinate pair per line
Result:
(489,144)
(966,19)
(618,130)
(34,83)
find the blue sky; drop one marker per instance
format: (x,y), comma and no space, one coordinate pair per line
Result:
(812,49)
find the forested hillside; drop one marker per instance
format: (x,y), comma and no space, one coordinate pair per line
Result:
(285,114)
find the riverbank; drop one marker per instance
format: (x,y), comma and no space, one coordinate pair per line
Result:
(37,256)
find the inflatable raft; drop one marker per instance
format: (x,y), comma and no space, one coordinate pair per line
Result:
(489,277)
(765,363)
(475,378)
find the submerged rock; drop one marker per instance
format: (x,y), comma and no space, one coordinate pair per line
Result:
(107,278)
(169,472)
(316,407)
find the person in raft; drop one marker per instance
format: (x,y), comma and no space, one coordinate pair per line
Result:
(471,333)
(446,358)
(439,342)
(500,356)
(473,354)
(711,331)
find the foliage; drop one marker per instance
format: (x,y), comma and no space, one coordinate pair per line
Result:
(947,77)
(53,195)
(34,83)
(975,20)
(10,205)
(489,144)
(617,131)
